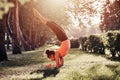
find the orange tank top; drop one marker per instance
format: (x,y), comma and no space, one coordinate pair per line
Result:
(64,47)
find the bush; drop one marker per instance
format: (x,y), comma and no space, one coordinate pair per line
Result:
(111,42)
(98,43)
(74,43)
(83,43)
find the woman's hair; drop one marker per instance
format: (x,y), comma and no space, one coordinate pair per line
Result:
(49,53)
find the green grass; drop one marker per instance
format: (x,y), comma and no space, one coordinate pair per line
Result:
(78,66)
(27,58)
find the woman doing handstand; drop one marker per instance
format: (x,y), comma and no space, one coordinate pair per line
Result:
(59,54)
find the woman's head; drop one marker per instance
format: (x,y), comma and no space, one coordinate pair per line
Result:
(50,54)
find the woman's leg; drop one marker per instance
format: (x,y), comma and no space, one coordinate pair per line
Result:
(39,16)
(60,33)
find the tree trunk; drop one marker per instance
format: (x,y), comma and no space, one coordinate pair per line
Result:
(8,41)
(3,55)
(16,45)
(36,34)
(12,33)
(27,25)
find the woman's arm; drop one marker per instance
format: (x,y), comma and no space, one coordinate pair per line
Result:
(57,59)
(61,61)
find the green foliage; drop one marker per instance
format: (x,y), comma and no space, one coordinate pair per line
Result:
(5,6)
(98,43)
(92,43)
(23,1)
(109,38)
(111,16)
(82,12)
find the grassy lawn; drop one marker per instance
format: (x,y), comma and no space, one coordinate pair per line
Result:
(78,66)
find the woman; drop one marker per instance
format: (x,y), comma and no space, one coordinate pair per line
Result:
(59,54)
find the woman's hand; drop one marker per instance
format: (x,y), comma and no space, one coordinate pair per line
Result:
(48,66)
(51,66)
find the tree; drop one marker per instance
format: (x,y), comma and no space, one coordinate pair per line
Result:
(111,16)
(16,45)
(4,8)
(85,15)
(17,35)
(3,23)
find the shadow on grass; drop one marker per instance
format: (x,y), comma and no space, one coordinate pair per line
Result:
(48,72)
